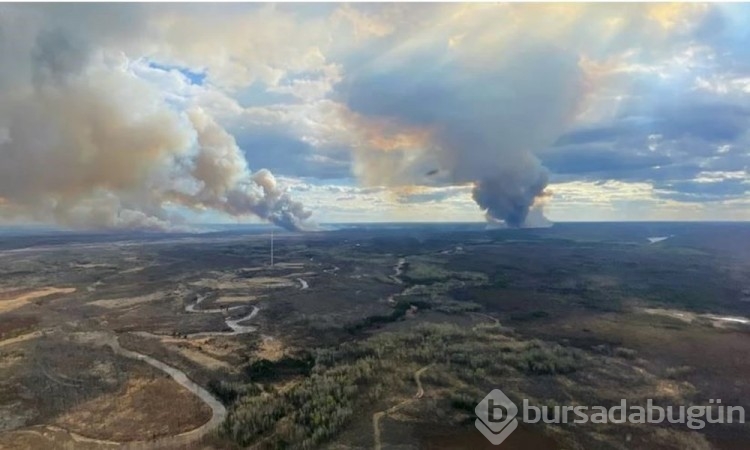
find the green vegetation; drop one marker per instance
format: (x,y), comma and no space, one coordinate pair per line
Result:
(454,307)
(263,369)
(419,272)
(399,310)
(465,399)
(352,344)
(15,326)
(228,392)
(678,373)
(357,375)
(529,315)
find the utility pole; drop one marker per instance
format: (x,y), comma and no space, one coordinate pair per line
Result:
(271,247)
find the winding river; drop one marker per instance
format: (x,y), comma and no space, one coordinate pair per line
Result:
(218,411)
(234,324)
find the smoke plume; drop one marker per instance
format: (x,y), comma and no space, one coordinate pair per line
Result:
(84,142)
(509,197)
(481,123)
(228,186)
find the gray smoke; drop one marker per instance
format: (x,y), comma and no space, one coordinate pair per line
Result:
(86,143)
(227,185)
(483,125)
(510,196)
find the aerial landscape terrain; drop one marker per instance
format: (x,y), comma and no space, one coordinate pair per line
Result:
(381,226)
(368,336)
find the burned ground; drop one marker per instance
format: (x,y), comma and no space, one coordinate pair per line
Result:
(581,313)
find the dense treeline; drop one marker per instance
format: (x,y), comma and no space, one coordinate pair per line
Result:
(357,375)
(399,310)
(310,412)
(264,370)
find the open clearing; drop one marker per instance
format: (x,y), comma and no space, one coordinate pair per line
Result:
(11,301)
(245,283)
(117,303)
(230,299)
(20,338)
(202,358)
(133,415)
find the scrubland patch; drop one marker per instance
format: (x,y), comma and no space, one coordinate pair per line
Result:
(126,302)
(271,349)
(15,299)
(245,283)
(137,411)
(233,299)
(201,358)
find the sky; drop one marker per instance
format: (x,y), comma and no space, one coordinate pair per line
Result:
(162,115)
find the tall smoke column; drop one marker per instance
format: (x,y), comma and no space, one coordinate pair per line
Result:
(509,196)
(85,142)
(485,118)
(228,185)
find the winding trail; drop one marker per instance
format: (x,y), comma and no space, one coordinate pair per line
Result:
(417,375)
(379,415)
(398,270)
(303,284)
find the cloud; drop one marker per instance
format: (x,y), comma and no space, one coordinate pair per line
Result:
(667,135)
(475,107)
